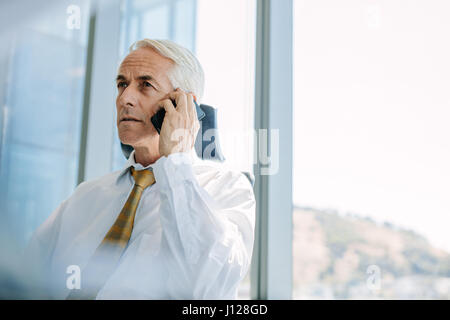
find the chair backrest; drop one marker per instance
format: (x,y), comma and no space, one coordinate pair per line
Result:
(207,144)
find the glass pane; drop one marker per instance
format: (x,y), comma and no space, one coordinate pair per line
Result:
(225,43)
(43,63)
(371,174)
(154,23)
(154,20)
(226,52)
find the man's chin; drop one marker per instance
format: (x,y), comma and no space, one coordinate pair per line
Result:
(133,140)
(129,140)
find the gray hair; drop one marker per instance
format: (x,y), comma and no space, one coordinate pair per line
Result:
(187,74)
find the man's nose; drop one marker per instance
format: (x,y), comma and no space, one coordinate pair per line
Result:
(128,97)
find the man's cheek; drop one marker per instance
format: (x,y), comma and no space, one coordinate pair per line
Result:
(151,113)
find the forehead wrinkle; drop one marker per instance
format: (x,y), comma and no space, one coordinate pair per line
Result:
(137,66)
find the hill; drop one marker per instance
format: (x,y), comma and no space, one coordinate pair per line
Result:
(353,257)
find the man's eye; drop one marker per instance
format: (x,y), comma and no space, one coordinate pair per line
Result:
(147,84)
(121,85)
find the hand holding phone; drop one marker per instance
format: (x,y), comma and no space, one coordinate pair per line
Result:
(180,131)
(158,118)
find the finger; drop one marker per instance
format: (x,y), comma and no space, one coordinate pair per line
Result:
(180,100)
(196,124)
(192,108)
(167,105)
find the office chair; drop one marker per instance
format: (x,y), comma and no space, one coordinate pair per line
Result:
(207,145)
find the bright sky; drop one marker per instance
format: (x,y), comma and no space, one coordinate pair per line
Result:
(226,48)
(372,110)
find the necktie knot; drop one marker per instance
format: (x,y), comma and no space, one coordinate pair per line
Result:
(143,178)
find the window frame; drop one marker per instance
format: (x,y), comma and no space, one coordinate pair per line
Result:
(271,276)
(99,101)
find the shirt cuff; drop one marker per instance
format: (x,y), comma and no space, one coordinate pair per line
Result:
(170,171)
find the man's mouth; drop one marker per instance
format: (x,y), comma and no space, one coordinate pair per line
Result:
(131,120)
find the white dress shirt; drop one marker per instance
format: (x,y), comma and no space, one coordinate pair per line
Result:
(192,237)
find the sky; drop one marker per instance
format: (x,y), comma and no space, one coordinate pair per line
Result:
(371,111)
(226,47)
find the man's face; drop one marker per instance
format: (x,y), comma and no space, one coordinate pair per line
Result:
(142,81)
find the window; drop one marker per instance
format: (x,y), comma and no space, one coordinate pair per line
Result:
(222,35)
(371,174)
(43,63)
(174,20)
(225,46)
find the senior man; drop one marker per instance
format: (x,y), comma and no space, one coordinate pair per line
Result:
(168,225)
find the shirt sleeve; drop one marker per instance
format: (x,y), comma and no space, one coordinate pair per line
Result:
(210,237)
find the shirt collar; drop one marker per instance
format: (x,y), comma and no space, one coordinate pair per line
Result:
(131,162)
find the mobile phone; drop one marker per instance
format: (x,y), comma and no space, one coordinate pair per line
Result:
(158,118)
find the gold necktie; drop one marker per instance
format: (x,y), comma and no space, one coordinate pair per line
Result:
(103,262)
